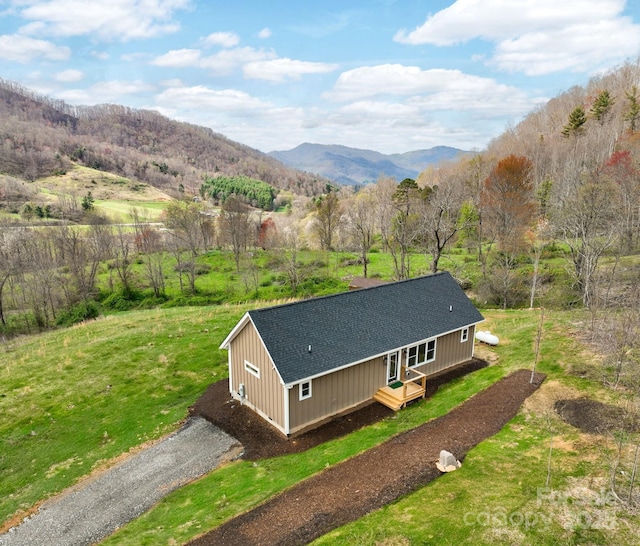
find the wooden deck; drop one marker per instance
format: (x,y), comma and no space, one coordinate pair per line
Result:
(412,388)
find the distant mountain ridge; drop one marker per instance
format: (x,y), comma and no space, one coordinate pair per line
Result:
(42,136)
(353,166)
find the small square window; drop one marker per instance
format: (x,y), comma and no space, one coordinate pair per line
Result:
(464,336)
(305,390)
(253,370)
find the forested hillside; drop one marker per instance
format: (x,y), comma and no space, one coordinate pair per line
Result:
(41,136)
(548,214)
(546,218)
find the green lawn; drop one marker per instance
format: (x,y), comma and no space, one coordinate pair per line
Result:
(503,477)
(120,210)
(73,399)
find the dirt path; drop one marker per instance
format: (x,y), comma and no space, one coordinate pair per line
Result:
(94,509)
(347,491)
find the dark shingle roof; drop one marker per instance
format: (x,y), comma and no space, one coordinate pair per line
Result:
(352,326)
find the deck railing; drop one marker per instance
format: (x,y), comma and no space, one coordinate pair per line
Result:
(412,376)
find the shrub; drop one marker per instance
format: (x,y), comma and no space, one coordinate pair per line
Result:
(122,300)
(85,310)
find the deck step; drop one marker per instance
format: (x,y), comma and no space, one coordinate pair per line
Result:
(393,398)
(386,400)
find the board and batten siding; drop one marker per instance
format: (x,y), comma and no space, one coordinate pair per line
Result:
(263,394)
(335,393)
(450,351)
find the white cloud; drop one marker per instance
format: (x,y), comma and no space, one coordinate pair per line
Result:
(23,49)
(202,98)
(435,84)
(179,58)
(278,70)
(69,75)
(583,48)
(224,61)
(264,33)
(224,39)
(174,82)
(105,92)
(113,20)
(236,114)
(535,36)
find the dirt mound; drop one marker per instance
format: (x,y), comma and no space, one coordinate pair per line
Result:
(376,477)
(595,417)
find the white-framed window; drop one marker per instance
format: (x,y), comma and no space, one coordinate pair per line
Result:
(421,353)
(253,370)
(464,335)
(304,390)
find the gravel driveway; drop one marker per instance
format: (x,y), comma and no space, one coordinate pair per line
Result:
(92,511)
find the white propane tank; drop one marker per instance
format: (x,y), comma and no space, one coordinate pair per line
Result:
(487,337)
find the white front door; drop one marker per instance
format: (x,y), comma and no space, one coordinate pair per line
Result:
(393,367)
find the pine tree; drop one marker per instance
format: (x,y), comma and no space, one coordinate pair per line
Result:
(87,202)
(602,106)
(575,126)
(632,114)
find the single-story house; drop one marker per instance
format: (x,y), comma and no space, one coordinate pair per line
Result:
(301,363)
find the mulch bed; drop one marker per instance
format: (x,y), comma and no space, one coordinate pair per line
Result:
(261,441)
(595,417)
(378,476)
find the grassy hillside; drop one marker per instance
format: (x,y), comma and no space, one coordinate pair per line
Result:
(103,185)
(114,196)
(73,399)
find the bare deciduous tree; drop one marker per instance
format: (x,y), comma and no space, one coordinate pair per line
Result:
(588,224)
(441,218)
(150,244)
(328,214)
(360,221)
(189,228)
(239,228)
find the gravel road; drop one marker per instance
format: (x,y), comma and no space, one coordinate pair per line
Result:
(88,513)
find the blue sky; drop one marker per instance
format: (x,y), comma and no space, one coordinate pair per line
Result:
(387,75)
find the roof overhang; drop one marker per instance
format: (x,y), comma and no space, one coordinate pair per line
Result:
(239,326)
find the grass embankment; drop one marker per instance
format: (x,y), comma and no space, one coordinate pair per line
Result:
(494,499)
(499,481)
(539,481)
(74,398)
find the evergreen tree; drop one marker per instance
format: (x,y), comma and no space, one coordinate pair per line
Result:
(87,202)
(602,106)
(632,115)
(575,125)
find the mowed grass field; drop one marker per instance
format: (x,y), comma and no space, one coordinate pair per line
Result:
(120,211)
(72,399)
(75,399)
